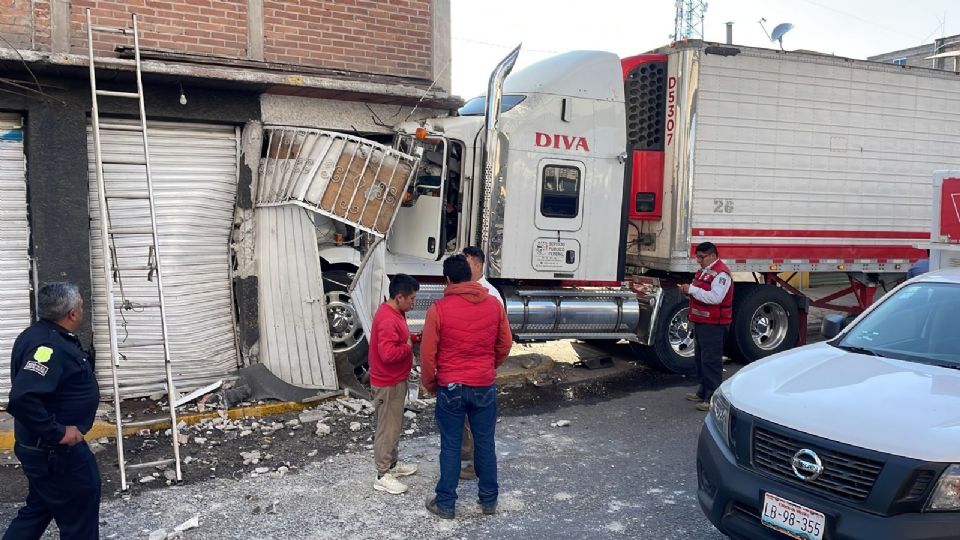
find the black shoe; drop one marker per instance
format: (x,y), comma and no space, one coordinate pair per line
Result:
(435,510)
(489,509)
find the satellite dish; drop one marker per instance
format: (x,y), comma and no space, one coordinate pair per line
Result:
(779,31)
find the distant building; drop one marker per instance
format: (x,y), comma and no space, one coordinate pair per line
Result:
(946,49)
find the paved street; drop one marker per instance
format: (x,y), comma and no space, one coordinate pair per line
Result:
(623,468)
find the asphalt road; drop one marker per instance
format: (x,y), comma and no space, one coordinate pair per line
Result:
(623,468)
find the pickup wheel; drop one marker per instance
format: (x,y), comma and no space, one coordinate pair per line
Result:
(673,346)
(346,333)
(766,321)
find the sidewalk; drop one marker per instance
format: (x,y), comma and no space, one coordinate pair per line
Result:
(515,370)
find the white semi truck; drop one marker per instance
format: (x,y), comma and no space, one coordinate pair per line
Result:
(588,179)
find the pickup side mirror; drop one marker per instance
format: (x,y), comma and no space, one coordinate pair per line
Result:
(832,325)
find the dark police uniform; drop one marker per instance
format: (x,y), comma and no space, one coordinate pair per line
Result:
(53,387)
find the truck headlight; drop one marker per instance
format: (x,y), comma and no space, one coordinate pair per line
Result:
(946,496)
(720,410)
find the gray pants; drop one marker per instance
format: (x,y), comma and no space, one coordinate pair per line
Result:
(709,357)
(388,403)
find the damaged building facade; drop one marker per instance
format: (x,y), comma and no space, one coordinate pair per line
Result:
(242,282)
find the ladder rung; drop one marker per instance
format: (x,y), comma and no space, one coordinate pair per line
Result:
(131,230)
(111,30)
(147,422)
(120,127)
(132,196)
(144,343)
(111,93)
(150,464)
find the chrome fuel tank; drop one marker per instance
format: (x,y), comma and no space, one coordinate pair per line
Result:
(572,313)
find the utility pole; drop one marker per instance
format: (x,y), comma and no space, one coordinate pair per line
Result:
(688,23)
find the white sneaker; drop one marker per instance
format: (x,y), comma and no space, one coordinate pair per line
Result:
(403,469)
(390,484)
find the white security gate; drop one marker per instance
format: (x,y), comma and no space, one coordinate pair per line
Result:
(195,184)
(14,244)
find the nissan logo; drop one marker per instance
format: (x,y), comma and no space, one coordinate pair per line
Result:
(806,465)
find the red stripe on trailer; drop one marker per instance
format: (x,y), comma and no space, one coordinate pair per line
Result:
(792,251)
(798,233)
(633,61)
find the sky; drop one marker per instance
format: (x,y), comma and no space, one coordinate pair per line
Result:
(484,31)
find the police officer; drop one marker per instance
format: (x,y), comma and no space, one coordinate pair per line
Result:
(53,401)
(711,311)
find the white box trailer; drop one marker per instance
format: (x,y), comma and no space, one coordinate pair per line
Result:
(588,179)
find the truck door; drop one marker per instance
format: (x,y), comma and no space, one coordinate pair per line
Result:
(418,229)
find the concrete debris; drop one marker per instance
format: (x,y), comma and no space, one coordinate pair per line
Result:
(322,429)
(170,475)
(560,423)
(262,470)
(191,523)
(311,453)
(246,432)
(310,416)
(147,479)
(356,426)
(156,396)
(159,534)
(183,438)
(182,425)
(200,440)
(409,415)
(103,440)
(282,471)
(251,457)
(292,423)
(187,460)
(409,432)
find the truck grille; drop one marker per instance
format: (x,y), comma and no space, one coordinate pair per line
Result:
(844,475)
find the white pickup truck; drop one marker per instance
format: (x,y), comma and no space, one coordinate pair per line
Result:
(856,437)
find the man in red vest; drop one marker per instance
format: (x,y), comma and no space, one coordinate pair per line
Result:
(466,336)
(711,311)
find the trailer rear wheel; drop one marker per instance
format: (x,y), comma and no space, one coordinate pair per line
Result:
(673,345)
(766,321)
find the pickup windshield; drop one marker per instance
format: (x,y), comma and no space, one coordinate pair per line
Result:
(918,323)
(477,105)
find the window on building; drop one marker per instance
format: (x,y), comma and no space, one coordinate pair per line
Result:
(900,61)
(560,196)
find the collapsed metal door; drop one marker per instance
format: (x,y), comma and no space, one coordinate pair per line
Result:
(14,243)
(195,184)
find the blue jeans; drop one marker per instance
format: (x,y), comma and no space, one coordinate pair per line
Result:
(479,404)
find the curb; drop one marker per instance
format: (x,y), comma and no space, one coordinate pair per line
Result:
(103,429)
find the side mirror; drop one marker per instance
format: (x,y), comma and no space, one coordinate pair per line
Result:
(832,325)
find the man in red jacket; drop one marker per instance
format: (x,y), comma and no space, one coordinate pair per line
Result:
(466,336)
(711,311)
(391,359)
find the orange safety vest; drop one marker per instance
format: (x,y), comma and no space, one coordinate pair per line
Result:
(702,313)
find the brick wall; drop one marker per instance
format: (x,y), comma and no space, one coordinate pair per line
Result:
(16,23)
(203,26)
(388,37)
(391,37)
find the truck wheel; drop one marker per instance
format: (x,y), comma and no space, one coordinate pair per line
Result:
(346,333)
(766,320)
(673,346)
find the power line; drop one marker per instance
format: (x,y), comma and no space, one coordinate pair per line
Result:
(859,18)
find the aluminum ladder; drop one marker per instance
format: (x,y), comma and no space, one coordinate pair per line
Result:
(110,265)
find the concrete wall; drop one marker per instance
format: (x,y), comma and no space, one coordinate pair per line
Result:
(348,116)
(57,162)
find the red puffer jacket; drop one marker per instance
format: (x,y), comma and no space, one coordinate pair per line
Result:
(466,336)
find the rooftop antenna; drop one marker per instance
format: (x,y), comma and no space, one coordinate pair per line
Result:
(688,23)
(778,31)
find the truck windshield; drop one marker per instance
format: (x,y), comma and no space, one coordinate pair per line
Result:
(477,105)
(918,323)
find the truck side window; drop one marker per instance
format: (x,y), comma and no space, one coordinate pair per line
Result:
(561,192)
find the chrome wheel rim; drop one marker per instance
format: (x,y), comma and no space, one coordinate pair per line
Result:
(346,332)
(680,334)
(768,326)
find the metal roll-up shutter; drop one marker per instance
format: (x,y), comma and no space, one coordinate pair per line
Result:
(14,244)
(195,184)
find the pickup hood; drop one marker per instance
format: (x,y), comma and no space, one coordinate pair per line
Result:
(893,406)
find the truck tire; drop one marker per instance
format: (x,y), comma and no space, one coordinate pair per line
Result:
(672,349)
(766,321)
(346,334)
